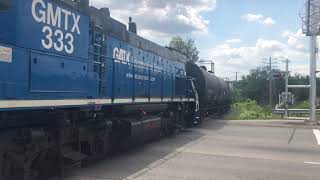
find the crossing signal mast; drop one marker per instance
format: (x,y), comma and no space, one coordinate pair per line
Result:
(311,27)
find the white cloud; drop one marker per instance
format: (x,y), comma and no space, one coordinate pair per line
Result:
(234,41)
(160,16)
(259,18)
(253,17)
(269,21)
(296,39)
(231,59)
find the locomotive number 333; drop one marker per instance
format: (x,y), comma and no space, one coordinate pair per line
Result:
(59,26)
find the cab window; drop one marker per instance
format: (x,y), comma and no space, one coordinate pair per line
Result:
(5,5)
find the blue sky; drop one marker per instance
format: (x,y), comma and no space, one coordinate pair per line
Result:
(226,21)
(235,34)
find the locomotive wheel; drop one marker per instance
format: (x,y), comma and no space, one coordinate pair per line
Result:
(167,127)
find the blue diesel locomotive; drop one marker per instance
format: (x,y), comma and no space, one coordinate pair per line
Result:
(75,83)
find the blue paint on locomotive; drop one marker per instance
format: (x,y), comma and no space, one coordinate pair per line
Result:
(43,25)
(139,74)
(50,50)
(7,19)
(56,55)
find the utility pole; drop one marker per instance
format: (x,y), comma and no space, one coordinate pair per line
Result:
(313,78)
(311,27)
(270,66)
(237,76)
(287,73)
(270,82)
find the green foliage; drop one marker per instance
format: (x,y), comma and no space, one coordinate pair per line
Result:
(250,109)
(236,95)
(255,86)
(301,105)
(186,47)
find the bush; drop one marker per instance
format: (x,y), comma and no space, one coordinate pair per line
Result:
(250,109)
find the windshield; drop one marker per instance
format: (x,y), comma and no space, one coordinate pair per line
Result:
(5,5)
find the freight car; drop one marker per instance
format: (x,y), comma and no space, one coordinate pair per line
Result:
(213,92)
(75,83)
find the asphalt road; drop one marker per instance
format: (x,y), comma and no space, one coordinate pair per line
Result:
(219,150)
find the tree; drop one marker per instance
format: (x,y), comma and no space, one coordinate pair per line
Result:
(255,86)
(186,47)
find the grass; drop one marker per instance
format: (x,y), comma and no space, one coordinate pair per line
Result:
(249,110)
(301,105)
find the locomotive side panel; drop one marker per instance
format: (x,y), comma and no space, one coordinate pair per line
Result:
(121,66)
(180,81)
(14,72)
(46,26)
(141,75)
(168,81)
(62,75)
(64,32)
(48,53)
(156,75)
(56,54)
(8,22)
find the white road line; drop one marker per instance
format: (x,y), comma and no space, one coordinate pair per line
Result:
(316,132)
(315,163)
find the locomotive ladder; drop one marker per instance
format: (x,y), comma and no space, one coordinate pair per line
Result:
(100,51)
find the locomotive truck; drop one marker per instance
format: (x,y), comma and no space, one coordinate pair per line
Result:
(75,83)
